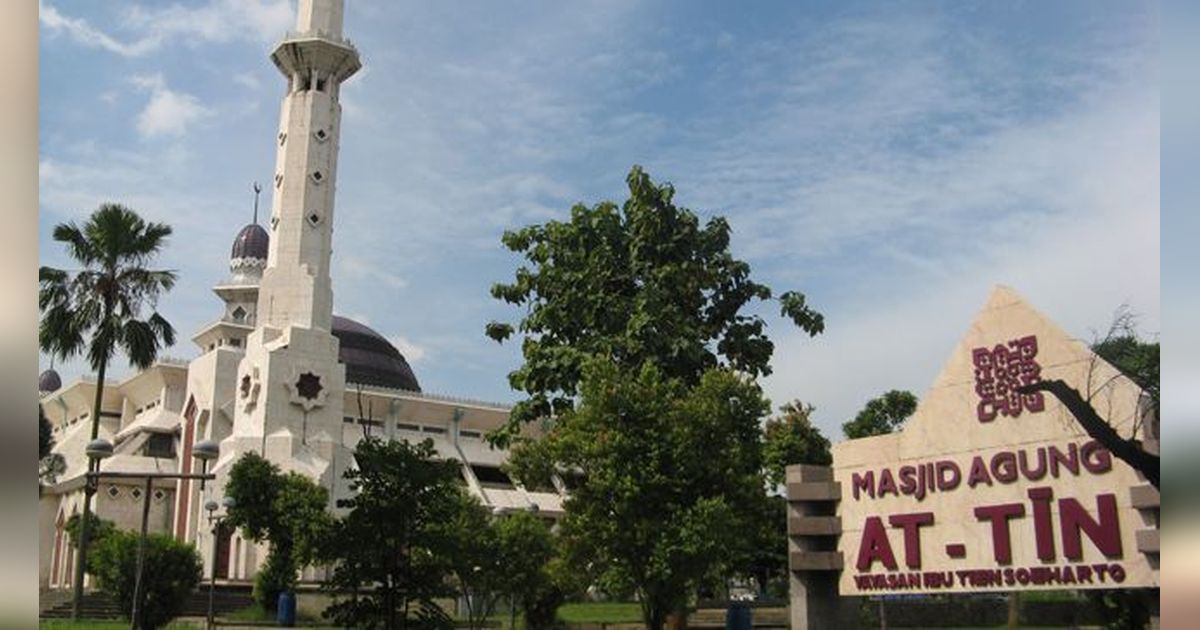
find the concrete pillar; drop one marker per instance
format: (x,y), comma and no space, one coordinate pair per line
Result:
(814,563)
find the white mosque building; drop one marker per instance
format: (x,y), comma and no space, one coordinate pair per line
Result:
(277,372)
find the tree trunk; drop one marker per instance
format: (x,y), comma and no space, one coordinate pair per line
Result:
(1014,610)
(1128,451)
(81,553)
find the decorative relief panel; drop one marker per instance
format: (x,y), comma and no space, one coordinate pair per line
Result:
(999,371)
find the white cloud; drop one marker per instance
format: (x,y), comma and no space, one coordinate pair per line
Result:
(217,21)
(168,113)
(84,33)
(358,268)
(412,352)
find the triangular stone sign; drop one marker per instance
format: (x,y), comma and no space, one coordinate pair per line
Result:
(986,489)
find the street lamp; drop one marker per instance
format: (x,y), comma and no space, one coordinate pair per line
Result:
(99,449)
(211,507)
(96,450)
(205,451)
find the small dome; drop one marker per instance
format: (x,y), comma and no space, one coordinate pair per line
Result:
(252,242)
(49,381)
(371,359)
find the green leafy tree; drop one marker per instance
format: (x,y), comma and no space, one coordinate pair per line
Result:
(97,309)
(172,571)
(672,473)
(288,510)
(792,438)
(475,559)
(526,547)
(50,464)
(881,415)
(645,282)
(648,301)
(98,528)
(394,538)
(765,543)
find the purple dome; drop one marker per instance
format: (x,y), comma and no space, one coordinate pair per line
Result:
(370,359)
(251,242)
(49,381)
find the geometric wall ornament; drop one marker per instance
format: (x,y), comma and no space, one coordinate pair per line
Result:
(307,388)
(1000,371)
(249,387)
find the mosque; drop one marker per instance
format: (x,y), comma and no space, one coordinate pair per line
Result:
(277,372)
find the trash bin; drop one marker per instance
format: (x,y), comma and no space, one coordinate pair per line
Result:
(285,612)
(739,616)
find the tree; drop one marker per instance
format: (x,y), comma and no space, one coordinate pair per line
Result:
(50,464)
(1136,360)
(641,283)
(97,309)
(672,473)
(765,541)
(881,415)
(634,314)
(526,547)
(394,539)
(173,566)
(475,559)
(289,511)
(792,438)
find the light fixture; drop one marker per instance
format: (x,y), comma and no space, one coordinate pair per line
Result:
(99,448)
(205,451)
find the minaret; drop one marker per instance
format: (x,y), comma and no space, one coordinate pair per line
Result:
(315,60)
(288,405)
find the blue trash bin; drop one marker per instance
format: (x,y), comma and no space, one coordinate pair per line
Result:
(285,612)
(739,616)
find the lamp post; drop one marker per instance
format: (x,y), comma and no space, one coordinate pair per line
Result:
(211,507)
(96,450)
(100,449)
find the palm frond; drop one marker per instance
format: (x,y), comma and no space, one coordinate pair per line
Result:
(78,245)
(98,310)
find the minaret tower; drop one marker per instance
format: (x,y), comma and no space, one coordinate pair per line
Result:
(314,60)
(288,405)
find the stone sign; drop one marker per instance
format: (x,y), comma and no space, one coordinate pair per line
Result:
(986,489)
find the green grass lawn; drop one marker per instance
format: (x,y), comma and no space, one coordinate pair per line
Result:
(600,612)
(107,625)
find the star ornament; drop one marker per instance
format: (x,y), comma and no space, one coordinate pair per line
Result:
(306,389)
(308,386)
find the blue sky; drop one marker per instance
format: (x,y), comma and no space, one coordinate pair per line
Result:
(891,160)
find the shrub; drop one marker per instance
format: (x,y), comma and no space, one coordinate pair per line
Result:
(172,571)
(277,575)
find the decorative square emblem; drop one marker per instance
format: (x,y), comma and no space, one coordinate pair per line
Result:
(999,371)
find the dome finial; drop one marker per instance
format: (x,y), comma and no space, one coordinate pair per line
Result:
(257,189)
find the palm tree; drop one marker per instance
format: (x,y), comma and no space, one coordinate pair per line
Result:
(97,309)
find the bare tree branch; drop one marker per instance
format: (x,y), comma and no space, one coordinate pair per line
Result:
(1128,451)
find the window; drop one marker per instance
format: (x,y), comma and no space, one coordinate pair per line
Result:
(492,477)
(404,426)
(235,342)
(438,430)
(160,445)
(113,492)
(470,434)
(239,314)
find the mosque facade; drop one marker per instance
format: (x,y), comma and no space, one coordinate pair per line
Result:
(277,372)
